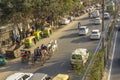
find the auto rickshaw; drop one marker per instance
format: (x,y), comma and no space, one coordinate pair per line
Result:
(61,77)
(38,34)
(46,31)
(25,55)
(29,41)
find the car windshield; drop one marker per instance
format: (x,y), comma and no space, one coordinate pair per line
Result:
(25,77)
(82,28)
(94,32)
(97,19)
(106,14)
(77,57)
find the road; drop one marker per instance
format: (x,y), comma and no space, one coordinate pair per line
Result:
(115,68)
(68,40)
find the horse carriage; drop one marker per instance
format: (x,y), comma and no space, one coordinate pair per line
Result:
(44,52)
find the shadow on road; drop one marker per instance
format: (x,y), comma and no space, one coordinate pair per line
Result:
(73,29)
(73,35)
(81,40)
(13,67)
(89,24)
(56,68)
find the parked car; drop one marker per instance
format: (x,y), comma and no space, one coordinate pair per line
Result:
(98,20)
(64,21)
(98,6)
(95,14)
(79,56)
(28,76)
(90,9)
(83,30)
(106,15)
(61,77)
(3,61)
(40,76)
(83,11)
(20,76)
(71,18)
(77,14)
(95,34)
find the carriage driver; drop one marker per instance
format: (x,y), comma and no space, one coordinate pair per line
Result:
(43,47)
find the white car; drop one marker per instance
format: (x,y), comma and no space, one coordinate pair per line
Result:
(95,34)
(20,76)
(79,56)
(106,15)
(64,21)
(98,21)
(40,76)
(71,18)
(95,14)
(83,30)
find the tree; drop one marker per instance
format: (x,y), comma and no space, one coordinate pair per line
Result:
(16,11)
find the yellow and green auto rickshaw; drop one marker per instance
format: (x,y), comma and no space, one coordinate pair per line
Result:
(46,31)
(29,41)
(38,35)
(61,77)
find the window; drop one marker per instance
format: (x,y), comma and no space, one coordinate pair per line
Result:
(25,77)
(94,32)
(82,28)
(77,57)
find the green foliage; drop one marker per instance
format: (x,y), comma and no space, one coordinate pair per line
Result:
(96,70)
(16,11)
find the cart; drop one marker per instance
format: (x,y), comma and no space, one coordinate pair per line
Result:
(25,55)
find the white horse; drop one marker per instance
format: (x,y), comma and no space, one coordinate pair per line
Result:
(53,45)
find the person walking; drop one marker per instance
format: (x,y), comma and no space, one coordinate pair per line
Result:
(34,41)
(36,53)
(79,25)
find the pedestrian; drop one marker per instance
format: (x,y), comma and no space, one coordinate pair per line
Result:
(36,53)
(79,25)
(89,15)
(34,41)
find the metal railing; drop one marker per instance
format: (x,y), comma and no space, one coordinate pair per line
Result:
(92,60)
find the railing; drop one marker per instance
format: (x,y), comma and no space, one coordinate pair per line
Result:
(92,60)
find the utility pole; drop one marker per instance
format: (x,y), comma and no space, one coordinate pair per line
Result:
(103,33)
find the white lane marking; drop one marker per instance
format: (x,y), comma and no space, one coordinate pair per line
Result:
(112,56)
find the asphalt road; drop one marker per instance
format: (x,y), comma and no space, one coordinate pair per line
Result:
(68,40)
(115,69)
